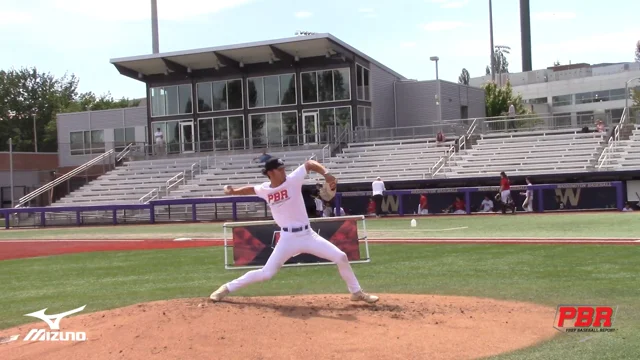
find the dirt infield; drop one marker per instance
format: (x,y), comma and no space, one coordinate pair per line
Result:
(311,327)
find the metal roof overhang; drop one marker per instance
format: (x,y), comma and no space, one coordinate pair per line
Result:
(236,56)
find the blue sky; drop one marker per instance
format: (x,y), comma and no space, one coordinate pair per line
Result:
(81,36)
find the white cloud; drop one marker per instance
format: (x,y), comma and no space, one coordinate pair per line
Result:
(545,16)
(303,14)
(15,17)
(408,44)
(127,10)
(454,4)
(443,25)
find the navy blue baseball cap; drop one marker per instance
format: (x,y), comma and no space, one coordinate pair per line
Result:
(272,164)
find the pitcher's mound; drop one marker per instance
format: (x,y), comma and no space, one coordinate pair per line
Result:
(301,327)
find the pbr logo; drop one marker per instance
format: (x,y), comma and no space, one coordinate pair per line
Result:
(54,324)
(585,318)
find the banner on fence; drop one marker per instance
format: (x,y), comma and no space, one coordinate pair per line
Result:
(253,244)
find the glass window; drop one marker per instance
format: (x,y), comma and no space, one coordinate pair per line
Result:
(130,134)
(326,119)
(274,128)
(343,117)
(256,92)
(617,94)
(584,98)
(562,120)
(219,90)
(309,87)
(258,129)
(369,117)
(158,102)
(221,133)
(236,132)
(341,84)
(205,134)
(234,96)
(364,116)
(204,97)
(325,86)
(585,118)
(367,88)
(360,82)
(271,90)
(118,135)
(562,100)
(172,138)
(287,89)
(171,100)
(290,128)
(76,143)
(184,96)
(171,96)
(97,141)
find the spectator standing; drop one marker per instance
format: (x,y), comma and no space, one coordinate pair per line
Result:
(378,190)
(319,206)
(512,117)
(159,141)
(371,208)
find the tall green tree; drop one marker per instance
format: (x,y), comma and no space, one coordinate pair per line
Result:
(638,51)
(27,93)
(500,60)
(498,99)
(464,77)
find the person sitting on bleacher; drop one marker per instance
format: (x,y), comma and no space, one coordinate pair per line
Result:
(440,138)
(263,158)
(600,127)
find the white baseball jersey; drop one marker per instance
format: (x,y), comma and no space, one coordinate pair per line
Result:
(377,187)
(487,205)
(529,193)
(285,201)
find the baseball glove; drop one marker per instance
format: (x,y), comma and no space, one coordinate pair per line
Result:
(328,192)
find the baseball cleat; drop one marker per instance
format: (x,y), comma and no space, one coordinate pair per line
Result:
(219,294)
(362,296)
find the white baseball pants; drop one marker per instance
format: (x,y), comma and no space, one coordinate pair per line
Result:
(504,196)
(292,244)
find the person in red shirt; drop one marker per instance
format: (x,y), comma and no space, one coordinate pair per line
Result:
(458,206)
(505,193)
(371,209)
(423,208)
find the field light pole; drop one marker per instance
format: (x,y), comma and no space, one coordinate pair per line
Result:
(35,130)
(438,95)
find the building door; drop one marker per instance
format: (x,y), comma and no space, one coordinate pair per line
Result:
(310,128)
(186,137)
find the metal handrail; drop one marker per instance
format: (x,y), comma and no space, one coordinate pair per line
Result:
(124,152)
(193,170)
(613,141)
(449,153)
(178,178)
(44,188)
(323,150)
(149,194)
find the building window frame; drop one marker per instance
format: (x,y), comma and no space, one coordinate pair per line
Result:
(282,139)
(366,89)
(88,150)
(210,85)
(295,90)
(165,114)
(333,85)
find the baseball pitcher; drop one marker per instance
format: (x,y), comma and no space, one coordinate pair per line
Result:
(283,193)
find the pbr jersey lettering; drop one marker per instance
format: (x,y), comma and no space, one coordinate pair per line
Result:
(286,202)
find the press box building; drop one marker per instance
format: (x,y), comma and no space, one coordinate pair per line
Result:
(286,92)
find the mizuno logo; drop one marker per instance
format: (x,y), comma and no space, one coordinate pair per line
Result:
(53,320)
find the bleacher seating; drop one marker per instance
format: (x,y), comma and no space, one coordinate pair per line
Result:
(391,160)
(529,153)
(626,153)
(129,182)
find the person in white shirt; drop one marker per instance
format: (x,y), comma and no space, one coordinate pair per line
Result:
(319,206)
(527,204)
(378,190)
(283,194)
(627,207)
(512,116)
(487,205)
(159,138)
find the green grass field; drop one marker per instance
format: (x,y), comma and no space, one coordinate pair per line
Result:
(544,274)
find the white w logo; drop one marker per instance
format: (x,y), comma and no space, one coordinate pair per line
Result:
(573,195)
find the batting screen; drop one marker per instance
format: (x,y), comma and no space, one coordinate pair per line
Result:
(252,243)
